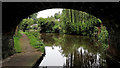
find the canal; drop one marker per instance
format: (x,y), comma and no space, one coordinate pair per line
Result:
(69,51)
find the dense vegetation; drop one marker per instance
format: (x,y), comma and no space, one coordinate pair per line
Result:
(17,42)
(103,37)
(33,35)
(35,41)
(69,22)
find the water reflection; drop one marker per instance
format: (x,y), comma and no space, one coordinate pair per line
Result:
(53,57)
(72,51)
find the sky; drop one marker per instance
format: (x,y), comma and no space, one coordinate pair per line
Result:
(48,12)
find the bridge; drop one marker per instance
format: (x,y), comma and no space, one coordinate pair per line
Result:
(13,13)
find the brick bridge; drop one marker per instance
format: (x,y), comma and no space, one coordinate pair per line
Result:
(13,13)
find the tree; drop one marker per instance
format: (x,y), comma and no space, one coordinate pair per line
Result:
(34,17)
(57,15)
(25,24)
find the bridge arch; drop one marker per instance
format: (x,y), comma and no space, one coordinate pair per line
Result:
(13,13)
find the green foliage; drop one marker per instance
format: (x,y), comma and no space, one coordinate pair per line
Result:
(35,41)
(48,25)
(78,22)
(57,15)
(103,37)
(71,22)
(33,16)
(25,24)
(17,42)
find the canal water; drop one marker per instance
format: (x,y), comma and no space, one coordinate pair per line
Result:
(72,51)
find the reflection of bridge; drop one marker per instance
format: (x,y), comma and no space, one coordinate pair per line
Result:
(13,13)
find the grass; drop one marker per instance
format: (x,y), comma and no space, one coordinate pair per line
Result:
(17,42)
(35,41)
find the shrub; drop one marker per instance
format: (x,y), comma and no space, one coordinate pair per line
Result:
(103,37)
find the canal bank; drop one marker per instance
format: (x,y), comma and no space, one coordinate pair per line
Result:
(28,58)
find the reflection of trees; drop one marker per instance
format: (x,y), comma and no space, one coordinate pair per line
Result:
(48,39)
(82,59)
(86,57)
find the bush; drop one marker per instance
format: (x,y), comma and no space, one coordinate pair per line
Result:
(103,37)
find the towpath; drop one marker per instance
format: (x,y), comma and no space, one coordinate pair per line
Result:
(26,59)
